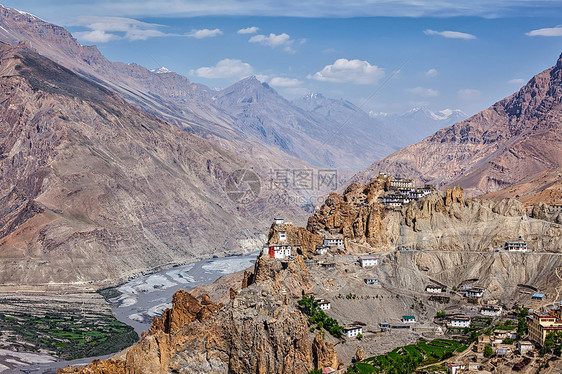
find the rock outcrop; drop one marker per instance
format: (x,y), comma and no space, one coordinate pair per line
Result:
(258,331)
(186,309)
(437,221)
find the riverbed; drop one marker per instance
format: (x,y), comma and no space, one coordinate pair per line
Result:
(142,299)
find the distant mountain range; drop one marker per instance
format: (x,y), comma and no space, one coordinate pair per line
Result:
(516,138)
(247,118)
(419,123)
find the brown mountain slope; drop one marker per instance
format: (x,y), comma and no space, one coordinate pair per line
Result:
(169,96)
(545,187)
(93,189)
(518,136)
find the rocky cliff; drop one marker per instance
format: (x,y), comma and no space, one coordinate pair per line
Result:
(94,190)
(515,138)
(260,330)
(437,221)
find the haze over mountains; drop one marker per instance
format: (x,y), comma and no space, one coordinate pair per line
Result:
(515,138)
(247,118)
(419,122)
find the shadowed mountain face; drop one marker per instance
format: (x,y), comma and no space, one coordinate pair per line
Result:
(515,138)
(247,118)
(342,137)
(93,190)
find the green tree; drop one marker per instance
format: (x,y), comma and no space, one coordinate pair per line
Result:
(488,351)
(550,340)
(441,314)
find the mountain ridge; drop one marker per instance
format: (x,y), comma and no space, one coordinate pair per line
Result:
(499,146)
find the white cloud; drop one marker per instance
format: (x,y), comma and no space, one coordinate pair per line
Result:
(284,82)
(204,33)
(96,36)
(450,34)
(227,68)
(105,29)
(548,31)
(431,73)
(262,77)
(248,30)
(469,94)
(422,91)
(352,71)
(273,41)
(516,81)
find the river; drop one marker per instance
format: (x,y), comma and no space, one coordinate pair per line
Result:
(144,297)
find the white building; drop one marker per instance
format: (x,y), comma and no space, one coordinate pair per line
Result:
(491,311)
(321,250)
(433,289)
(408,319)
(282,236)
(352,331)
(324,304)
(516,246)
(397,183)
(334,242)
(461,322)
(371,281)
(524,346)
(367,261)
(278,221)
(279,251)
(475,292)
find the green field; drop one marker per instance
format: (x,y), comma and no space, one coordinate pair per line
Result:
(405,360)
(69,334)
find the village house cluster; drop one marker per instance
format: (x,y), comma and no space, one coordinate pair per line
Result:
(400,191)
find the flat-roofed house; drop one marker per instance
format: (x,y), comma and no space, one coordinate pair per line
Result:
(367,261)
(459,322)
(352,330)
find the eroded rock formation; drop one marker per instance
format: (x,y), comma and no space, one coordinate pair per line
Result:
(258,331)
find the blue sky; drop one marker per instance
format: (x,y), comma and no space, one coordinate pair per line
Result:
(386,56)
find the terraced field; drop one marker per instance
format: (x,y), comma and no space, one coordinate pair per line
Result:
(406,359)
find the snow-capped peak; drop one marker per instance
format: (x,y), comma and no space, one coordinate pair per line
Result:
(160,70)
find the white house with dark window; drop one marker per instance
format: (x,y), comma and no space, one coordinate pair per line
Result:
(352,331)
(371,281)
(324,304)
(367,261)
(282,236)
(516,246)
(278,221)
(433,289)
(408,319)
(279,251)
(459,322)
(334,242)
(475,292)
(491,311)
